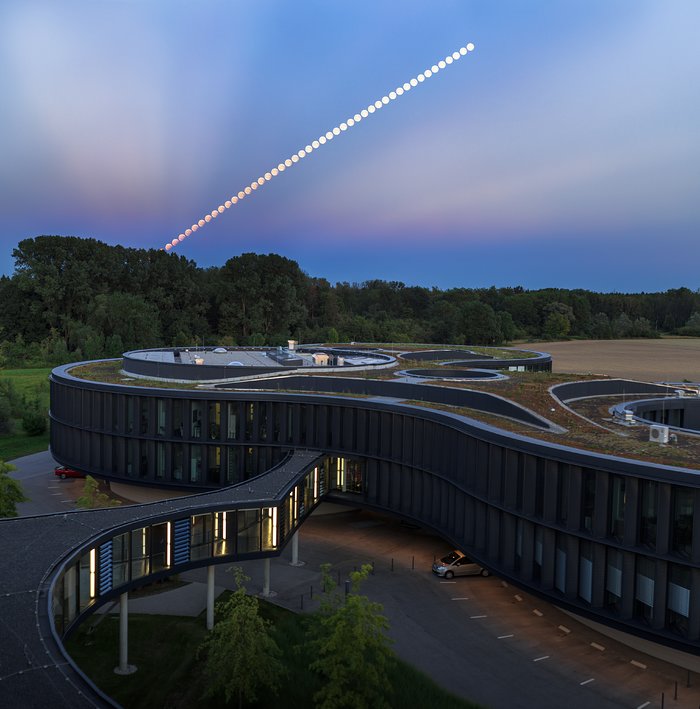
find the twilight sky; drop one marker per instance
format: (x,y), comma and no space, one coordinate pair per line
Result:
(564,151)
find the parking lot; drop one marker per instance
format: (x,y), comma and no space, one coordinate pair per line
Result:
(478,637)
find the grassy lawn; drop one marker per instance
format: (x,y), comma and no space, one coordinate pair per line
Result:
(164,648)
(32,384)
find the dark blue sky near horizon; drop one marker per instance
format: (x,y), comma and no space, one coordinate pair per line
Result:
(563,152)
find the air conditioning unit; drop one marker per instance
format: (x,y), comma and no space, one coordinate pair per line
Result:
(658,434)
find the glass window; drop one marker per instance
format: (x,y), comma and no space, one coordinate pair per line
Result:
(269,528)
(563,494)
(248,531)
(86,581)
(617,507)
(682,526)
(160,415)
(120,559)
(560,564)
(585,571)
(143,415)
(139,552)
(116,399)
(195,464)
(143,459)
(678,598)
(131,457)
(539,488)
(613,579)
(587,499)
(200,536)
(178,426)
(177,461)
(537,566)
(196,427)
(160,460)
(232,464)
(353,475)
(232,423)
(644,589)
(221,542)
(214,464)
(262,420)
(130,414)
(214,420)
(159,547)
(249,412)
(647,517)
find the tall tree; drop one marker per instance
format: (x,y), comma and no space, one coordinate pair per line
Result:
(353,654)
(10,491)
(242,657)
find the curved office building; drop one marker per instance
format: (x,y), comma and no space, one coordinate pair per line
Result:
(611,538)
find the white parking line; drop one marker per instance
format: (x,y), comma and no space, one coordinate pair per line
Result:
(587,681)
(462,598)
(646,704)
(66,502)
(448,582)
(502,637)
(539,659)
(57,493)
(478,616)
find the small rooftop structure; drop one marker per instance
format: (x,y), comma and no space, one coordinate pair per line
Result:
(224,363)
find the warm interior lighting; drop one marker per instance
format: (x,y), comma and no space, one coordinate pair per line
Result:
(168,545)
(93,568)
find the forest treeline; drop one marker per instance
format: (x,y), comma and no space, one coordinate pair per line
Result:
(71,298)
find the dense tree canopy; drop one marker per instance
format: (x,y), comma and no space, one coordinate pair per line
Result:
(71,297)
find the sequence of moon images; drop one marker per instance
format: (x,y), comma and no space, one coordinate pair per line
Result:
(321,140)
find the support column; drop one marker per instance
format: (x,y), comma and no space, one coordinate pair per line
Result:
(266,578)
(124,667)
(295,551)
(210,596)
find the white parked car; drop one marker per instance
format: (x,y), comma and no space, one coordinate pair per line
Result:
(458,564)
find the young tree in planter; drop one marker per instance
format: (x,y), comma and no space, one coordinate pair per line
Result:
(242,657)
(10,491)
(352,650)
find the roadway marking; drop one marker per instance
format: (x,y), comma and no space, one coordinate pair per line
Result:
(538,613)
(539,659)
(641,665)
(478,616)
(564,629)
(587,681)
(460,598)
(448,582)
(597,646)
(646,704)
(518,597)
(57,493)
(503,637)
(66,502)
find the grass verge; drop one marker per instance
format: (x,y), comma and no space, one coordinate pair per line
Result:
(30,384)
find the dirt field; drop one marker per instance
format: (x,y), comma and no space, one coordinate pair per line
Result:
(668,360)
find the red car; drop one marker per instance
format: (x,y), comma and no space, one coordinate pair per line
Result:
(64,473)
